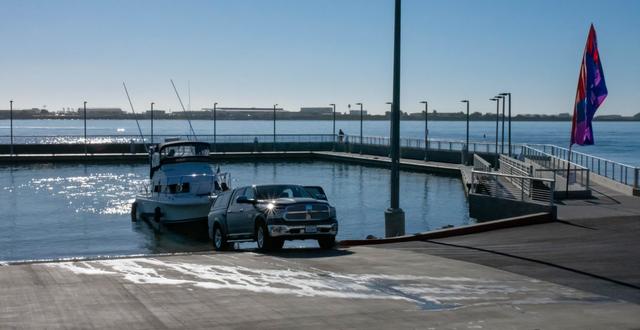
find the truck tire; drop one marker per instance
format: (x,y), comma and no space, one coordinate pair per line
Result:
(134,212)
(327,243)
(262,237)
(219,239)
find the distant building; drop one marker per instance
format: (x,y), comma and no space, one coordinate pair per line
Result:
(253,109)
(155,112)
(357,112)
(102,112)
(316,110)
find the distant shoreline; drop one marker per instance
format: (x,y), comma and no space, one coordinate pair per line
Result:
(371,118)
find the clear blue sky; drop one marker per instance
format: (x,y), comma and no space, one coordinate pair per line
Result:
(314,52)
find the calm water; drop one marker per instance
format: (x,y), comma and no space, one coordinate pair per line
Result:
(52,211)
(619,141)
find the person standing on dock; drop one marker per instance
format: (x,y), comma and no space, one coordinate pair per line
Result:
(340,135)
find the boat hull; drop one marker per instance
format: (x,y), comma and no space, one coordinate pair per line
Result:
(168,212)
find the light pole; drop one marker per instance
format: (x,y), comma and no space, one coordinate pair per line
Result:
(497,118)
(215,133)
(11,124)
(334,125)
(391,109)
(85,127)
(426,129)
(152,122)
(274,126)
(503,105)
(361,119)
(394,216)
(466,146)
(509,94)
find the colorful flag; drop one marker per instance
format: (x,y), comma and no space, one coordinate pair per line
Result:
(591,92)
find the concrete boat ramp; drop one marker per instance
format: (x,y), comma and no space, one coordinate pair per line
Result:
(453,283)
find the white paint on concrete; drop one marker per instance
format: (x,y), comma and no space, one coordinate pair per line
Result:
(430,291)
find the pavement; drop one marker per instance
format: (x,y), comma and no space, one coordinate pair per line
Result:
(362,287)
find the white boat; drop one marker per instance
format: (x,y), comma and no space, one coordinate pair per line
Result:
(183,185)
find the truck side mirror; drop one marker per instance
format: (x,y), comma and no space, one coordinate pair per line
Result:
(245,200)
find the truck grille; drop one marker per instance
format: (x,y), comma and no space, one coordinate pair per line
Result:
(302,212)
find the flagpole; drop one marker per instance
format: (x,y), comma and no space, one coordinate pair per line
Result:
(573,118)
(568,170)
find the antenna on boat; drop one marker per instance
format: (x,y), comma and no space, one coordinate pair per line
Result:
(134,115)
(183,109)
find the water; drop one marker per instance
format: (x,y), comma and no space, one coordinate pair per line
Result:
(62,210)
(619,141)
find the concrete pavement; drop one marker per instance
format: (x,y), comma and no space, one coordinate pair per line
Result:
(361,287)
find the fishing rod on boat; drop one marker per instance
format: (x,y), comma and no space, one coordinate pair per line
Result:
(134,116)
(185,110)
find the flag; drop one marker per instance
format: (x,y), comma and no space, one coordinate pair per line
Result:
(591,92)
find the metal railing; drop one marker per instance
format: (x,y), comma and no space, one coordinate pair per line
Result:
(126,139)
(623,173)
(432,144)
(513,187)
(558,169)
(509,165)
(480,164)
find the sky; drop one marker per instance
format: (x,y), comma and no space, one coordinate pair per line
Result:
(255,53)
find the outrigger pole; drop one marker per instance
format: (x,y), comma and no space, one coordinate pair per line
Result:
(185,110)
(134,116)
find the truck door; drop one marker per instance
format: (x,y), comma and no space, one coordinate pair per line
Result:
(235,214)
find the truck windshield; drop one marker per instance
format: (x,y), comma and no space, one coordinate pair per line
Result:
(281,191)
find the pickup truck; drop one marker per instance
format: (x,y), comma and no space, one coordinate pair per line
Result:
(271,214)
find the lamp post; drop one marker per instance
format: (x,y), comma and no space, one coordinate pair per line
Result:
(503,105)
(497,118)
(334,126)
(394,216)
(274,126)
(11,125)
(426,129)
(509,115)
(152,122)
(361,119)
(466,146)
(85,127)
(215,133)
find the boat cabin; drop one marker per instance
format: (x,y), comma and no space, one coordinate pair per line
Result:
(178,152)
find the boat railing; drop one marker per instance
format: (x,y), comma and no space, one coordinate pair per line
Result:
(198,184)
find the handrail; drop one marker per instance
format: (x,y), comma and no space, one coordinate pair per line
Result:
(513,176)
(513,187)
(623,173)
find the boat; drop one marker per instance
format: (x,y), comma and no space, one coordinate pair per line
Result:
(183,184)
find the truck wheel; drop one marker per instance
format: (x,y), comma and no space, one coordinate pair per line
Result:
(219,239)
(156,214)
(134,212)
(262,237)
(327,243)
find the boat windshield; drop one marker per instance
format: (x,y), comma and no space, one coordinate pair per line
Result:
(184,150)
(281,191)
